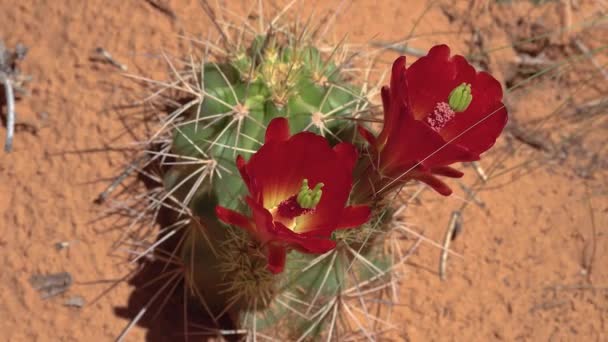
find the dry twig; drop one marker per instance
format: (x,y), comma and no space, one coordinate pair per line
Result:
(401,48)
(585,50)
(135,165)
(163,8)
(11,80)
(10,113)
(527,138)
(454,227)
(104,56)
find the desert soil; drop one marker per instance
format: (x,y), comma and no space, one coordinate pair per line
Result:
(534,244)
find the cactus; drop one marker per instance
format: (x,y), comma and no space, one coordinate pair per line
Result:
(239,103)
(271,78)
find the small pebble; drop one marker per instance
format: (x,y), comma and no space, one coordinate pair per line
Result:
(61,245)
(76,302)
(52,284)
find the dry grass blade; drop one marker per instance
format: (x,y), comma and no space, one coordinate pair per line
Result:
(590,249)
(10,113)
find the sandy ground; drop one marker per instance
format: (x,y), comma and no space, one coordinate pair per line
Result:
(533,266)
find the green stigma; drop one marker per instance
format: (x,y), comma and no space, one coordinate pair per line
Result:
(460,98)
(309,198)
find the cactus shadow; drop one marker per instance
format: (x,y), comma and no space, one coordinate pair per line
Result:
(167,318)
(171,314)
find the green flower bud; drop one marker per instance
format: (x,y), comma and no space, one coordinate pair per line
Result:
(460,98)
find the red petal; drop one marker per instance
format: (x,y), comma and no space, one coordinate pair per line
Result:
(446,171)
(262,218)
(276,258)
(407,146)
(484,119)
(394,100)
(385,94)
(279,169)
(232,217)
(434,183)
(278,130)
(417,142)
(241,165)
(268,231)
(347,153)
(307,243)
(390,114)
(367,135)
(399,83)
(275,174)
(432,78)
(354,216)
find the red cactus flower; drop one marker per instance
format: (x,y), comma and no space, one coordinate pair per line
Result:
(286,212)
(436,112)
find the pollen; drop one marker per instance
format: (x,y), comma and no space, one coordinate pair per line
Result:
(440,116)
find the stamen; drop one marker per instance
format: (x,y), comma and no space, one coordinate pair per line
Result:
(440,116)
(290,209)
(302,203)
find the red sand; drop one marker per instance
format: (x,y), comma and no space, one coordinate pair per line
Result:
(535,235)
